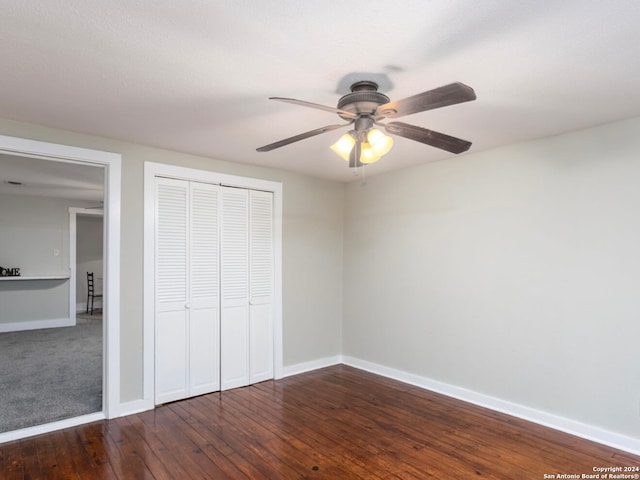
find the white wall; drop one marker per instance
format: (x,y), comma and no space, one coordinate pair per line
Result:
(89,252)
(31,230)
(514,273)
(312,278)
(312,249)
(34,236)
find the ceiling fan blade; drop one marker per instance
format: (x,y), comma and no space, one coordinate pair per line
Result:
(303,103)
(429,137)
(302,136)
(438,97)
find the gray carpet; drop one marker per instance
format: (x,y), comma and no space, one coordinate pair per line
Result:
(50,374)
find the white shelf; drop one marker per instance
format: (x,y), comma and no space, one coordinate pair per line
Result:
(34,277)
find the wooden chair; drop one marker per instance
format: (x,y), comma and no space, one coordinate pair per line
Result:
(91,294)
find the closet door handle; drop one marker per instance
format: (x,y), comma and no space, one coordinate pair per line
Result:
(187,306)
(250,302)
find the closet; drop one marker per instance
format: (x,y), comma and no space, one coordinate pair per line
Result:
(213,288)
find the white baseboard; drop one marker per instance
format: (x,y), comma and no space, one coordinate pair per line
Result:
(82,306)
(130,408)
(36,324)
(588,432)
(312,365)
(50,427)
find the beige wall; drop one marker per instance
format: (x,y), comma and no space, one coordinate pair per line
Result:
(312,249)
(514,273)
(34,236)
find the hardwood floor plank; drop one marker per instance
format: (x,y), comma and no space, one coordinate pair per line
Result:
(402,422)
(170,429)
(156,447)
(46,456)
(122,454)
(92,439)
(257,442)
(80,461)
(66,468)
(213,447)
(379,434)
(12,460)
(140,447)
(342,448)
(280,442)
(507,443)
(30,465)
(334,423)
(247,449)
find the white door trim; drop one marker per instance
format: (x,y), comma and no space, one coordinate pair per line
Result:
(153,170)
(73,230)
(112,164)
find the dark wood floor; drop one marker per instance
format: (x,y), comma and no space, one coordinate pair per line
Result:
(335,423)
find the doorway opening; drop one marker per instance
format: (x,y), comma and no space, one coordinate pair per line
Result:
(52,171)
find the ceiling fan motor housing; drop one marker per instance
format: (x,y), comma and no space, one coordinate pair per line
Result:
(364,99)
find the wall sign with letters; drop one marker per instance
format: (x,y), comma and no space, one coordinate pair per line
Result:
(9,272)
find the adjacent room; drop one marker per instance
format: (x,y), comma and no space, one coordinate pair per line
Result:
(338,240)
(51,335)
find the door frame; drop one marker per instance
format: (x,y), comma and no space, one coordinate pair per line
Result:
(153,170)
(112,163)
(74,212)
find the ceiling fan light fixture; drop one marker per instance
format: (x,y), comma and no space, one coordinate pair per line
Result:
(368,154)
(380,143)
(377,145)
(344,145)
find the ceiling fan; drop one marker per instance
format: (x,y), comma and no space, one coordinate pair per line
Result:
(365,107)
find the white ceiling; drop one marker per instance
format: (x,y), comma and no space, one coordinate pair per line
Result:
(195,75)
(45,178)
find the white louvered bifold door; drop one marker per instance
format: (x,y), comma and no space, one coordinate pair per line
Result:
(214,288)
(260,285)
(171,339)
(204,286)
(187,303)
(234,279)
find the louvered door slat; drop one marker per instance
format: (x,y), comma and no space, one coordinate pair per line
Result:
(204,241)
(261,246)
(234,258)
(261,285)
(171,242)
(171,340)
(204,323)
(235,238)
